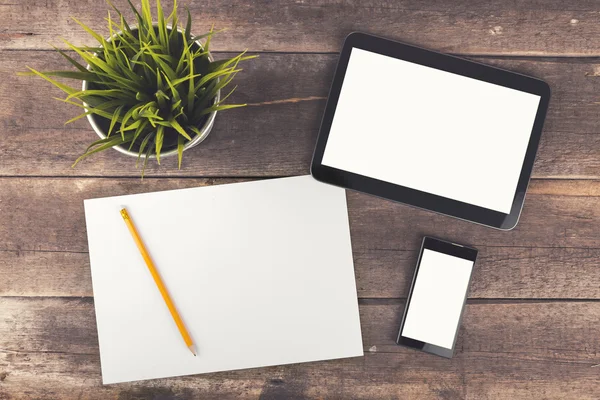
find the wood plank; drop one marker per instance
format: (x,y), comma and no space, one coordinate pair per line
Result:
(546,221)
(377,375)
(552,27)
(46,214)
(49,350)
(33,273)
(553,253)
(501,272)
(276,136)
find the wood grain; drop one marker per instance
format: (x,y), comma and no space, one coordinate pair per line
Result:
(375,376)
(521,27)
(553,253)
(276,135)
(501,272)
(552,331)
(523,350)
(46,214)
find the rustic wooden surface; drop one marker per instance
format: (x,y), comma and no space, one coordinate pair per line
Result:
(532,323)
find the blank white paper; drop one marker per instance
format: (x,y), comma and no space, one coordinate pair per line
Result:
(261,273)
(437,298)
(431,130)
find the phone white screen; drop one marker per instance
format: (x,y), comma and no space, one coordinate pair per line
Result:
(437,298)
(431,130)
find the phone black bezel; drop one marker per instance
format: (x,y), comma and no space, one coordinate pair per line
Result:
(414,197)
(445,247)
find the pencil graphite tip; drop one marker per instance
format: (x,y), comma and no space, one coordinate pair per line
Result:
(192,349)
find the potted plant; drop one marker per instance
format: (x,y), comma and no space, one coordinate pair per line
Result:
(149,90)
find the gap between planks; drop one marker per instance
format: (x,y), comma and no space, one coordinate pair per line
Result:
(524,56)
(567,186)
(559,178)
(363,301)
(21,250)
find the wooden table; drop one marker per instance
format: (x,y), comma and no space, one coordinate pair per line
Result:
(532,324)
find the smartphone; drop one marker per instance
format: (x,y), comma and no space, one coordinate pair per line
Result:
(437,297)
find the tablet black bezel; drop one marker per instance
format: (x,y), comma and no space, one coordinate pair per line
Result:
(414,197)
(445,247)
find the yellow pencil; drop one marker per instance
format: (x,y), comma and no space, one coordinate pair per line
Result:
(161,287)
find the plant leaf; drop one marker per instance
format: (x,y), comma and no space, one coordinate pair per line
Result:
(180,145)
(131,126)
(84,76)
(111,93)
(220,108)
(188,25)
(174,35)
(162,27)
(146,160)
(179,128)
(64,88)
(217,65)
(174,92)
(158,141)
(85,114)
(135,11)
(208,37)
(195,130)
(137,133)
(166,68)
(96,36)
(147,19)
(191,91)
(111,142)
(71,60)
(113,120)
(214,75)
(143,146)
(191,78)
(162,98)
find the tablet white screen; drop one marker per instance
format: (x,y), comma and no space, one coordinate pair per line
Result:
(437,299)
(431,130)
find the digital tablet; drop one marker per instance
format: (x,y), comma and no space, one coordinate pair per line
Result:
(431,130)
